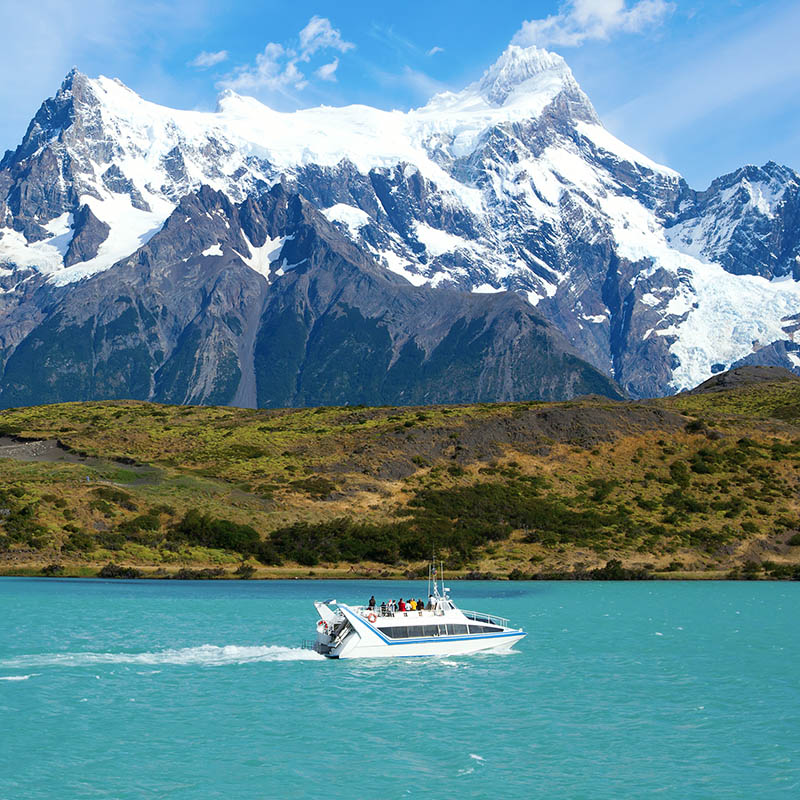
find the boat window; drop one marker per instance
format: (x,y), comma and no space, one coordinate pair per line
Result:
(484,629)
(395,632)
(456,630)
(420,631)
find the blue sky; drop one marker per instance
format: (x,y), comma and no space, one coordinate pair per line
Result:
(701,85)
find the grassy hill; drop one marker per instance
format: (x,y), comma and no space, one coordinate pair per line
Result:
(699,485)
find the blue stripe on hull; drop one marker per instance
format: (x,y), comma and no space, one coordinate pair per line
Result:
(471,637)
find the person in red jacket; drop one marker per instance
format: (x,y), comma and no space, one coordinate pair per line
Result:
(401,605)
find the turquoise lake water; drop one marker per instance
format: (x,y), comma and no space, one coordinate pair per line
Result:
(142,689)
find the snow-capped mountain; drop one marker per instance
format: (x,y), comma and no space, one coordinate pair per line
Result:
(510,184)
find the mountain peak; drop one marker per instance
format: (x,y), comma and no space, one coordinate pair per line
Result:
(519,65)
(74,84)
(71,76)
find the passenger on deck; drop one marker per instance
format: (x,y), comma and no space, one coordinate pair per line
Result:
(371,605)
(430,603)
(420,606)
(412,604)
(401,605)
(383,608)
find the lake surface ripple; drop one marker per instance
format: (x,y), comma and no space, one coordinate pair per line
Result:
(171,689)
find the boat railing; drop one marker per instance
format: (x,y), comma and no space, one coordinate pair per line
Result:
(489,619)
(365,611)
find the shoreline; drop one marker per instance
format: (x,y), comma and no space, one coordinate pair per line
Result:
(127,572)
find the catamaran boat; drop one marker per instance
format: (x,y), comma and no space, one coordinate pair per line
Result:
(439,629)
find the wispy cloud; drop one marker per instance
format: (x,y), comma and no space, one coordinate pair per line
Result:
(434,50)
(422,85)
(327,72)
(278,67)
(581,20)
(204,60)
(319,34)
(387,35)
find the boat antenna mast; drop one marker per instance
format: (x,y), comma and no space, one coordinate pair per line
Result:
(433,578)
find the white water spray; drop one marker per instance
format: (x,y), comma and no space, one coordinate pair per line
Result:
(207,655)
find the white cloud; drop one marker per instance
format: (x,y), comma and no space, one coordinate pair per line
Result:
(204,59)
(580,20)
(434,50)
(327,72)
(319,34)
(277,68)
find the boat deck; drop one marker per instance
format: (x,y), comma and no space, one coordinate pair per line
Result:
(428,615)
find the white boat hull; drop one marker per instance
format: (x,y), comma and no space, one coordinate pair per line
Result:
(365,640)
(356,647)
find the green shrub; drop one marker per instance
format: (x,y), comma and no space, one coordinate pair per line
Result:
(103,506)
(163,509)
(144,522)
(110,540)
(705,461)
(602,489)
(112,570)
(679,473)
(206,574)
(200,529)
(113,495)
(749,527)
(237,452)
(614,571)
(315,486)
(80,542)
(245,571)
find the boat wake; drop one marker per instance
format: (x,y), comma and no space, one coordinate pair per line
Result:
(17,677)
(207,655)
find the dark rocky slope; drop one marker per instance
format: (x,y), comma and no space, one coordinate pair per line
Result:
(186,320)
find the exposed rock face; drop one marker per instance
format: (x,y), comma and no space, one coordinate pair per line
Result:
(89,234)
(748,221)
(510,185)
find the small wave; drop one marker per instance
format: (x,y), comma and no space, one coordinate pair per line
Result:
(207,655)
(476,756)
(18,677)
